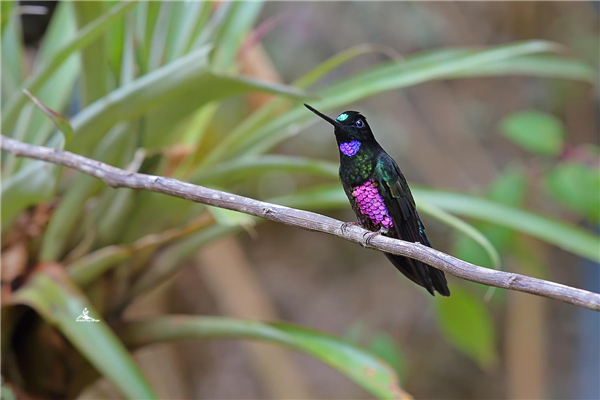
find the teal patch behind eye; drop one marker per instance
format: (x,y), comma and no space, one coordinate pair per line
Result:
(342,117)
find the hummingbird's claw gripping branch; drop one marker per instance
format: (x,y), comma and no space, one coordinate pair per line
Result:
(306,220)
(345,225)
(371,235)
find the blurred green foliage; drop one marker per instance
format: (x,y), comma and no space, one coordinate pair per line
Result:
(148,79)
(467,324)
(537,132)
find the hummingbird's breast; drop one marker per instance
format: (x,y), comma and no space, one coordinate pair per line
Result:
(370,205)
(357,169)
(357,176)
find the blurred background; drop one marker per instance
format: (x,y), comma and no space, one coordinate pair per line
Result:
(525,137)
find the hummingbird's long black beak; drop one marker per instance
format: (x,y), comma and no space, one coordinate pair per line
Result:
(325,117)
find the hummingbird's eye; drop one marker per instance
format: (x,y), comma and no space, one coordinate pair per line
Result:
(359,123)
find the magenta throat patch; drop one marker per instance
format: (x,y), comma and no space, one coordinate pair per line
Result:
(371,204)
(350,148)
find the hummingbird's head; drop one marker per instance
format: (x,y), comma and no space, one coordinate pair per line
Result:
(348,126)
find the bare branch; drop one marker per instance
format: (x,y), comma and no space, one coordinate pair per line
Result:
(116,177)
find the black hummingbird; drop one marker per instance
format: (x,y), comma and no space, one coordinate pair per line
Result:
(380,196)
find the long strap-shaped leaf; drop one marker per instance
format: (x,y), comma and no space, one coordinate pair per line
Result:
(87,35)
(440,64)
(551,230)
(359,365)
(52,294)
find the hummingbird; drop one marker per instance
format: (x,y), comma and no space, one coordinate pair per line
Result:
(380,196)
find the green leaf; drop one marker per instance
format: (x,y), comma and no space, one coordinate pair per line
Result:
(7,10)
(509,187)
(385,347)
(231,218)
(32,184)
(562,234)
(466,229)
(193,135)
(340,59)
(168,94)
(441,64)
(467,324)
(188,27)
(95,71)
(58,120)
(127,68)
(239,20)
(56,92)
(381,344)
(576,186)
(238,170)
(270,110)
(543,66)
(45,72)
(89,267)
(68,213)
(159,35)
(171,259)
(10,163)
(13,61)
(180,21)
(60,302)
(469,250)
(535,131)
(363,368)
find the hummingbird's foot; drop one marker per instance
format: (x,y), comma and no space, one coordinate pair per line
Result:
(345,226)
(370,235)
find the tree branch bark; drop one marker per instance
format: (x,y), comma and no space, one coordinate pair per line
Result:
(311,221)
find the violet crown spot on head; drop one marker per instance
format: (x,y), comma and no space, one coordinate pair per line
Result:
(350,148)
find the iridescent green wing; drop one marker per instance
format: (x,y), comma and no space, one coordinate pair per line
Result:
(399,200)
(395,185)
(401,207)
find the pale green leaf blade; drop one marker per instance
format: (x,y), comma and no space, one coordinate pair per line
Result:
(239,20)
(95,71)
(13,58)
(535,131)
(60,302)
(169,94)
(576,186)
(467,324)
(58,120)
(42,74)
(561,234)
(551,230)
(32,184)
(55,92)
(542,66)
(360,366)
(465,228)
(274,107)
(413,70)
(67,214)
(237,170)
(231,218)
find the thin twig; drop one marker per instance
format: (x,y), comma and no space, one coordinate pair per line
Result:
(116,177)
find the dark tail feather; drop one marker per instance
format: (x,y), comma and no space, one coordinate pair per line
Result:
(421,274)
